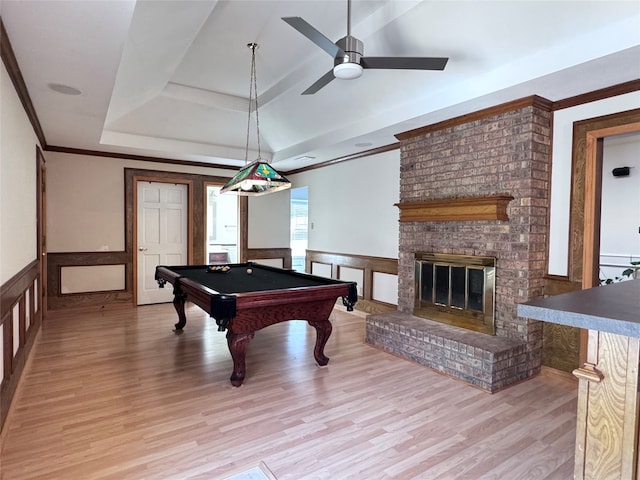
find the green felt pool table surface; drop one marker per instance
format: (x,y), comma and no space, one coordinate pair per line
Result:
(238,280)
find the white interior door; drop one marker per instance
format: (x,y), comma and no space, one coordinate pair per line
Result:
(162,235)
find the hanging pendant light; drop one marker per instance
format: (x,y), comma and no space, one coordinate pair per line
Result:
(257,177)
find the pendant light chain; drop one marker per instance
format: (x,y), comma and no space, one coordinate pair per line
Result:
(253,97)
(258,177)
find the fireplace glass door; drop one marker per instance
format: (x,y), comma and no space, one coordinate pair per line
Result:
(456,289)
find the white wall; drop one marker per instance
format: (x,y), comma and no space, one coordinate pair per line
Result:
(18,214)
(351,205)
(269,224)
(620,208)
(85,203)
(561,170)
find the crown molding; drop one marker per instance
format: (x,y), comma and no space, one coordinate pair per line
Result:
(345,158)
(13,69)
(142,158)
(532,101)
(613,91)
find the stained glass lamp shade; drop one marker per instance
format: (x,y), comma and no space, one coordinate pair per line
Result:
(257,178)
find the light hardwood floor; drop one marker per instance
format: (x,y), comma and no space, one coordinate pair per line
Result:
(118,395)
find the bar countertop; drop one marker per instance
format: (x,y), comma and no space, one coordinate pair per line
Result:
(613,308)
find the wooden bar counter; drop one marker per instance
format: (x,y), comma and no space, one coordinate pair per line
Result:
(608,401)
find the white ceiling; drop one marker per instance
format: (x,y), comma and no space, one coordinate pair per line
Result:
(171,78)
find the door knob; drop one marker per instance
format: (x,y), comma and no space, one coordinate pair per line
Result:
(142,249)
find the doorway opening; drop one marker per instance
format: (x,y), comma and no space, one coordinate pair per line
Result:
(222,226)
(299,227)
(620,209)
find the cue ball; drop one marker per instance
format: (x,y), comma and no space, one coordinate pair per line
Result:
(249,271)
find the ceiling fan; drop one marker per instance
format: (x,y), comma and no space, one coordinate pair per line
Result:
(348,56)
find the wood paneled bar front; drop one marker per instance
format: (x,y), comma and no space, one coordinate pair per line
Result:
(608,400)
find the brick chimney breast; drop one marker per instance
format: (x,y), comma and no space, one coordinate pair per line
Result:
(500,152)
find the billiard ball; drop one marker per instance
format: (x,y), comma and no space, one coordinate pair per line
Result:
(249,271)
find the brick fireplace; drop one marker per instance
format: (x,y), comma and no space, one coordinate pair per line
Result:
(475,186)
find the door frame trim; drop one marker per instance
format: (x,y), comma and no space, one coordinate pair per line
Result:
(584,170)
(593,197)
(41,227)
(584,251)
(197,229)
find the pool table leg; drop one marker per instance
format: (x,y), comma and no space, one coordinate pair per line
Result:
(238,343)
(179,299)
(323,332)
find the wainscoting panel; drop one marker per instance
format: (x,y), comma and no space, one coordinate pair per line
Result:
(271,262)
(89,278)
(320,269)
(20,320)
(352,275)
(377,275)
(560,343)
(385,288)
(276,257)
(56,296)
(17,319)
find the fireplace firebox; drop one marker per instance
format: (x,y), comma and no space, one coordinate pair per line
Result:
(457,290)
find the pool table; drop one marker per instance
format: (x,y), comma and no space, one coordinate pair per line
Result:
(245,297)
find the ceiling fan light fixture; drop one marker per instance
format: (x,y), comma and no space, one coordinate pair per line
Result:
(348,55)
(347,71)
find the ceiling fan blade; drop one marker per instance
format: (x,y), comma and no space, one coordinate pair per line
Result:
(405,63)
(321,82)
(314,35)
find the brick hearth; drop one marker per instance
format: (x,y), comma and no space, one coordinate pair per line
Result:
(486,361)
(501,151)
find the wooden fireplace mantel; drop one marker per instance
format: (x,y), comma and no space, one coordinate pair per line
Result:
(492,207)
